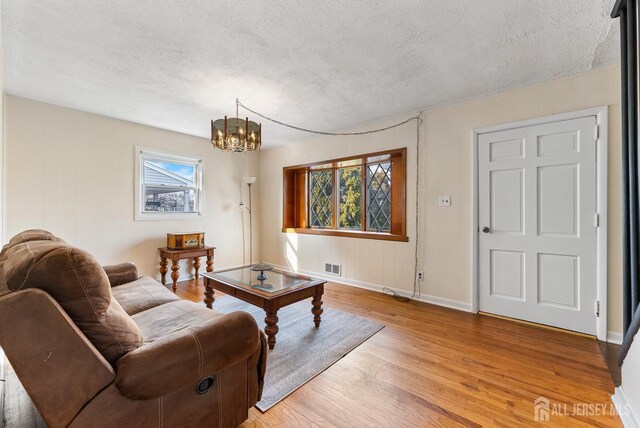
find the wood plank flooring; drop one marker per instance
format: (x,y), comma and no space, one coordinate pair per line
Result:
(610,352)
(432,366)
(19,411)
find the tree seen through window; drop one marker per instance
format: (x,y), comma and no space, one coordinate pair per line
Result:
(320,198)
(350,203)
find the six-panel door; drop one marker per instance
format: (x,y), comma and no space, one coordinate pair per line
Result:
(537,206)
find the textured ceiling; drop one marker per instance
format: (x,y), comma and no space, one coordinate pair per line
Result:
(328,65)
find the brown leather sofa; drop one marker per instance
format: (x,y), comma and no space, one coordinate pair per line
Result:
(98,346)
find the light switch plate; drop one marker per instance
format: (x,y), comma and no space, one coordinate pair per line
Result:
(444,201)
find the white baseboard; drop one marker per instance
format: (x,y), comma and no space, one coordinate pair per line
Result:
(439,301)
(434,300)
(625,411)
(614,337)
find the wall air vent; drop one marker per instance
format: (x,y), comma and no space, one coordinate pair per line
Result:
(333,269)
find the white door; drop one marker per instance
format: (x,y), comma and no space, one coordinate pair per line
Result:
(537,213)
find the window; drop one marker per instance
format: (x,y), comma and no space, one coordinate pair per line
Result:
(167,186)
(361,196)
(350,198)
(320,198)
(379,196)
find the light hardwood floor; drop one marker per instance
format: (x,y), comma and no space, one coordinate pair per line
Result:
(432,366)
(429,366)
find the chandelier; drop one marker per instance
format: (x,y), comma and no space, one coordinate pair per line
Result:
(235,134)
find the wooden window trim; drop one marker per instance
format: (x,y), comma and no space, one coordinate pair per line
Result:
(295,218)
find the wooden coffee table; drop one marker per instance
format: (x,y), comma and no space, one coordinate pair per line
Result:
(280,289)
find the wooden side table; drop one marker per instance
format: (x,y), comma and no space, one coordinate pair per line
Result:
(176,255)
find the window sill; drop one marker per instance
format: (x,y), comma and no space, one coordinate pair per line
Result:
(348,233)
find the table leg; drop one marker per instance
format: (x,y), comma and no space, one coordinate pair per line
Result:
(209,263)
(317,309)
(175,274)
(196,264)
(271,329)
(163,270)
(208,295)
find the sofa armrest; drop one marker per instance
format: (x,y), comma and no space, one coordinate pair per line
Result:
(186,357)
(121,273)
(60,369)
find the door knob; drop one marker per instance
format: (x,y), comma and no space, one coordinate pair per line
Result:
(486,229)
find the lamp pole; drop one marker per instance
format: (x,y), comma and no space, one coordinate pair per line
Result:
(250,228)
(249,181)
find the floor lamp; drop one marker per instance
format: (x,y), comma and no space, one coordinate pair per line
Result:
(249,181)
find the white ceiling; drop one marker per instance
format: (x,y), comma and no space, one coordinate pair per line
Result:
(328,65)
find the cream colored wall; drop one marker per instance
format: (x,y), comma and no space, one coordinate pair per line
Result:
(72,173)
(1,133)
(446,237)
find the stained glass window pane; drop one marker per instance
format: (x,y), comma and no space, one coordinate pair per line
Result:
(379,197)
(320,198)
(350,201)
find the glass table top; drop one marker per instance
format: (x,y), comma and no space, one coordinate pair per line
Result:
(276,280)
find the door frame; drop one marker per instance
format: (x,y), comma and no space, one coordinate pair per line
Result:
(601,114)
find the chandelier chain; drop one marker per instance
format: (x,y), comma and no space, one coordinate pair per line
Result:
(311,131)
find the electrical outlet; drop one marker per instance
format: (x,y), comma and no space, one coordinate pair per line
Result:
(420,276)
(444,201)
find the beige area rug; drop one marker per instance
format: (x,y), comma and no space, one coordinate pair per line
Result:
(302,351)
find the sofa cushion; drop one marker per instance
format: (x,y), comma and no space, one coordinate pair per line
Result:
(79,284)
(28,236)
(171,317)
(25,236)
(142,294)
(121,273)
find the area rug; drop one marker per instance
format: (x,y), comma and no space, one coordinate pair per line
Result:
(302,351)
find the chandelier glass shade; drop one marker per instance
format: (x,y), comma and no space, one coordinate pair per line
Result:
(236,135)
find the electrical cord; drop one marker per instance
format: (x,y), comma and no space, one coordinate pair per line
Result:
(416,285)
(386,290)
(311,131)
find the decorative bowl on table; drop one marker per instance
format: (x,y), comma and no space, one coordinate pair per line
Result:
(262,269)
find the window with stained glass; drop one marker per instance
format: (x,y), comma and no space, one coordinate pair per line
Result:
(379,197)
(360,196)
(321,198)
(350,201)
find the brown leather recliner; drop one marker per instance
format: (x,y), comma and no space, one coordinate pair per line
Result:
(98,346)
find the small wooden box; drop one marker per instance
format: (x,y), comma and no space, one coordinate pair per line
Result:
(183,241)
